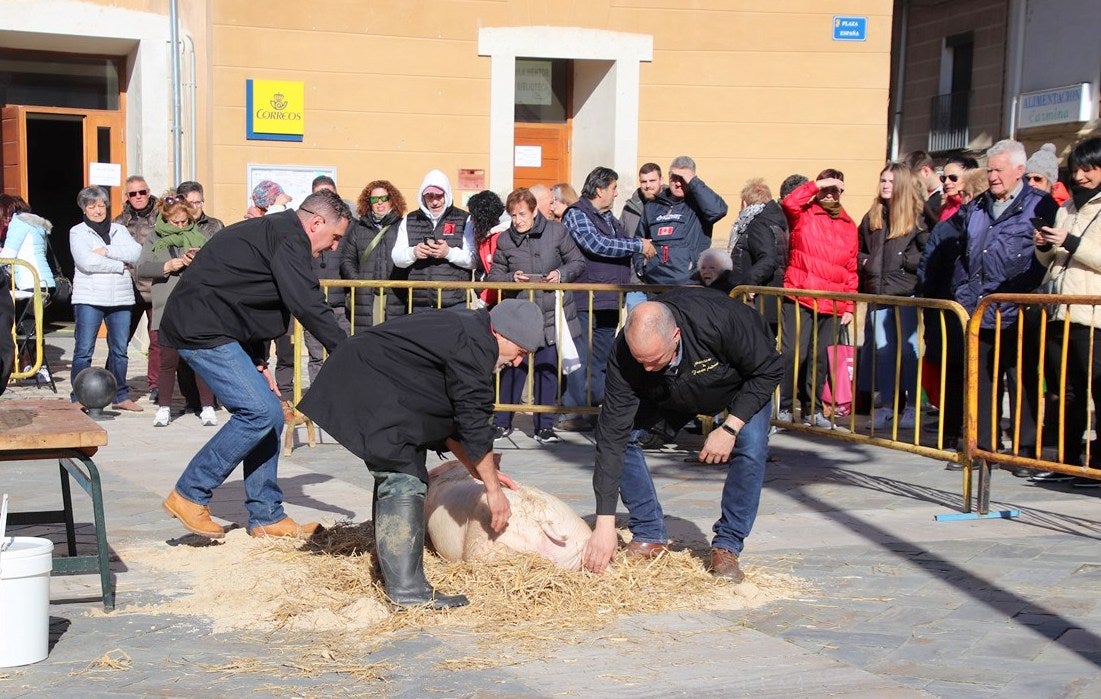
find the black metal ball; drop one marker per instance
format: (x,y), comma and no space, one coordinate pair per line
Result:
(95,387)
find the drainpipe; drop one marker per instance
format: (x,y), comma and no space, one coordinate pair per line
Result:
(1015,53)
(900,79)
(177,132)
(192,91)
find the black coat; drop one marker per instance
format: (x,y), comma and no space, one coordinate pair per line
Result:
(401,387)
(761,250)
(377,265)
(889,266)
(728,362)
(243,287)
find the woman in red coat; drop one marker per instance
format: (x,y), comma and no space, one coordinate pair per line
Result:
(822,257)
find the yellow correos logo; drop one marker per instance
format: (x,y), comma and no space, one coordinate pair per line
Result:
(276,109)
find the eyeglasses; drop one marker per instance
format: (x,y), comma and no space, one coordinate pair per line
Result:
(1035,178)
(194,202)
(432,196)
(380,200)
(949,178)
(323,220)
(137,193)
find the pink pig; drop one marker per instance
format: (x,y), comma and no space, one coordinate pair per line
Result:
(457,517)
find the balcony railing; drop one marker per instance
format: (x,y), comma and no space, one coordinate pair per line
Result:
(948,121)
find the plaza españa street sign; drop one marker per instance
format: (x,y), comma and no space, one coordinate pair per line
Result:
(850,28)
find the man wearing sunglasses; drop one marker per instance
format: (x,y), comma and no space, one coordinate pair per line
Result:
(139,213)
(237,296)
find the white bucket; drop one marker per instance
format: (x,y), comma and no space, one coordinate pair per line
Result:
(25,567)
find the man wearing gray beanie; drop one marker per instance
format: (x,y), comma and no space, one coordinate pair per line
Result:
(416,383)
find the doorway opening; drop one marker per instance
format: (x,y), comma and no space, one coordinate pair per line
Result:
(55,174)
(544,119)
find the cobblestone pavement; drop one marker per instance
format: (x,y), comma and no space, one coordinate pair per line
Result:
(901,605)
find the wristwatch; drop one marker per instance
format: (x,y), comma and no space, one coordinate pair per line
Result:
(728,429)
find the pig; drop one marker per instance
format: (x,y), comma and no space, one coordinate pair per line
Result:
(457,516)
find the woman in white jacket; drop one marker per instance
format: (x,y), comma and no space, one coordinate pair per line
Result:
(26,240)
(103,290)
(1072,248)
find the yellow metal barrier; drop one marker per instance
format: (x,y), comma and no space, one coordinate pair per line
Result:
(1028,332)
(472,291)
(36,300)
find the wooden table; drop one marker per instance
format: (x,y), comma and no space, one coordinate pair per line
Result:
(44,430)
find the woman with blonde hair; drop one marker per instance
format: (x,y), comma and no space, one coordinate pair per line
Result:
(563,196)
(892,239)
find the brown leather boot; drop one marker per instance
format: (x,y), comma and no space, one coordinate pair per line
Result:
(724,564)
(285,528)
(644,550)
(194,517)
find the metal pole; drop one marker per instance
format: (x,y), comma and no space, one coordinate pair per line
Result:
(177,132)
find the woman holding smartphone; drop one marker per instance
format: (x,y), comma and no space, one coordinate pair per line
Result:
(165,255)
(536,251)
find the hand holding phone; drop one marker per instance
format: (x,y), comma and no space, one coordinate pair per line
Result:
(1038,223)
(536,278)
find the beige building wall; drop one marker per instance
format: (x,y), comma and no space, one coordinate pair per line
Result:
(396,88)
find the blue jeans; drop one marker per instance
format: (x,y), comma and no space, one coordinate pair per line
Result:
(881,345)
(88,319)
(251,436)
(595,364)
(741,492)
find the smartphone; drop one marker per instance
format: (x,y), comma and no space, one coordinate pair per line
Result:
(430,240)
(1038,223)
(536,278)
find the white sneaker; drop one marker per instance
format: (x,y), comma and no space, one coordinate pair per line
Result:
(881,418)
(208,417)
(44,375)
(783,415)
(819,420)
(163,416)
(907,419)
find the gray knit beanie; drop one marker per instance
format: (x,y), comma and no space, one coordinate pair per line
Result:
(1044,162)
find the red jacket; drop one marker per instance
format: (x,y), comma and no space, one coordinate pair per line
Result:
(823,250)
(486,248)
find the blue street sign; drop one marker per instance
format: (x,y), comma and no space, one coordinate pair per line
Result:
(850,28)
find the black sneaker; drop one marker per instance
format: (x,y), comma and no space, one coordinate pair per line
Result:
(501,432)
(1050,477)
(547,436)
(1080,482)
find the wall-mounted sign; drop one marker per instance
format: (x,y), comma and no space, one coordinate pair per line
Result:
(1059,105)
(528,156)
(294,179)
(106,174)
(275,110)
(850,28)
(533,82)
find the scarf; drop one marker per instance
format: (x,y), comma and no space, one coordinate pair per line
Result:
(102,229)
(833,208)
(1081,195)
(144,213)
(171,236)
(747,215)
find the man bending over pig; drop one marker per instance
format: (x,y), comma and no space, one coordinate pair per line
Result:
(419,382)
(690,352)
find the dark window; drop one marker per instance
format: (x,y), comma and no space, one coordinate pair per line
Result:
(48,80)
(542,87)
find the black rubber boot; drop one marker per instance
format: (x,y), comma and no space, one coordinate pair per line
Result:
(399,547)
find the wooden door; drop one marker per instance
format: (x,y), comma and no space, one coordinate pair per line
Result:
(542,154)
(103,142)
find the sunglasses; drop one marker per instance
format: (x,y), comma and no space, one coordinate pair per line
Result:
(137,193)
(432,196)
(1035,178)
(380,200)
(949,178)
(324,221)
(169,201)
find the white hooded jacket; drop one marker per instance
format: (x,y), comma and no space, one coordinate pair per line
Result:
(404,255)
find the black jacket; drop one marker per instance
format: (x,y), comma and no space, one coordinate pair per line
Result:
(399,388)
(244,285)
(378,264)
(728,360)
(548,246)
(889,266)
(760,253)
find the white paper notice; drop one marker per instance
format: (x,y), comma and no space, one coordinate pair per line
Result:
(529,156)
(106,174)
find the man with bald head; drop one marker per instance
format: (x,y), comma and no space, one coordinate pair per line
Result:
(690,351)
(543,200)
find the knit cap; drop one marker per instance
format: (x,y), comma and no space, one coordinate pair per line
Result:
(520,321)
(1044,162)
(264,194)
